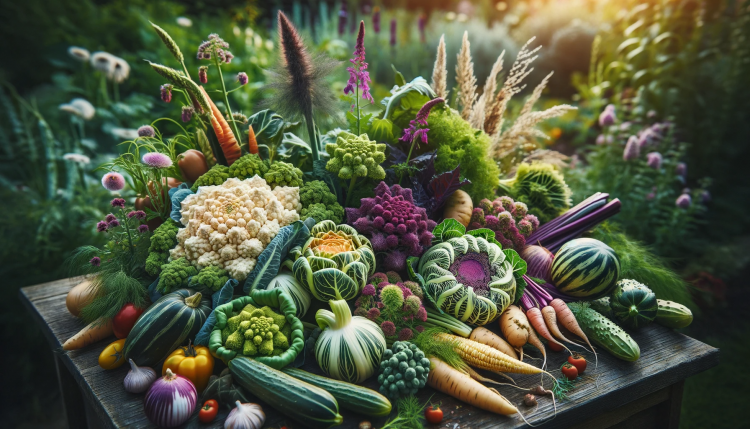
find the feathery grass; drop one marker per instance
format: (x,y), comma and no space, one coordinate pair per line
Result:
(465,79)
(440,71)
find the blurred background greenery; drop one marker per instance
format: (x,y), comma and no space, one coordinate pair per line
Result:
(680,66)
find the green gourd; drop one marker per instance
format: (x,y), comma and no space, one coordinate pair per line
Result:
(633,304)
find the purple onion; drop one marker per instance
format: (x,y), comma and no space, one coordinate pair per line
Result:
(170,401)
(538,261)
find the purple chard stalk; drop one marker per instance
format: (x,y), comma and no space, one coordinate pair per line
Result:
(358,75)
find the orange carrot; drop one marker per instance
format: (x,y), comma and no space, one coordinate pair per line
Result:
(537,321)
(252,143)
(224,134)
(568,320)
(550,318)
(92,333)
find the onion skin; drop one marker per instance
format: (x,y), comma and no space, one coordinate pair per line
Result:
(192,164)
(538,261)
(170,400)
(80,296)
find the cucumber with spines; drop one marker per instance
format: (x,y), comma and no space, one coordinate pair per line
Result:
(673,314)
(604,332)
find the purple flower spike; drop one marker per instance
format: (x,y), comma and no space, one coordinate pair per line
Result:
(242,78)
(393,32)
(654,160)
(684,201)
(157,160)
(413,132)
(607,117)
(359,77)
(95,261)
(117,203)
(187,113)
(632,150)
(166,93)
(113,181)
(146,131)
(142,228)
(681,170)
(376,19)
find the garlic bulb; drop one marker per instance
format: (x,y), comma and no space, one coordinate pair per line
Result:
(138,379)
(245,416)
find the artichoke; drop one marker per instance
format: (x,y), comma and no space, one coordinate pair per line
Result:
(335,262)
(468,278)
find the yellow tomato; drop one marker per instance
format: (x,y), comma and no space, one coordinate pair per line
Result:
(192,362)
(112,357)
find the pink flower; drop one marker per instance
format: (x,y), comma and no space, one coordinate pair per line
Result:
(242,78)
(187,113)
(101,226)
(422,314)
(113,181)
(203,74)
(166,92)
(142,228)
(419,328)
(389,329)
(117,203)
(109,218)
(359,77)
(157,160)
(146,131)
(405,334)
(95,261)
(632,150)
(368,290)
(681,170)
(113,224)
(653,159)
(373,313)
(683,201)
(138,214)
(607,117)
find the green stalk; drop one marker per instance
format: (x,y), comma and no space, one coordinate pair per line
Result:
(127,228)
(359,113)
(310,124)
(226,99)
(408,157)
(349,192)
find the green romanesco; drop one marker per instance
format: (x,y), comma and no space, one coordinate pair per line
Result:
(542,188)
(283,174)
(255,332)
(280,340)
(211,277)
(235,341)
(356,156)
(320,212)
(278,319)
(248,166)
(319,203)
(174,275)
(217,175)
(162,239)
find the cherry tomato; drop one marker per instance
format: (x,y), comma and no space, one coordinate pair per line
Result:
(433,414)
(125,319)
(578,361)
(208,411)
(112,356)
(554,347)
(569,371)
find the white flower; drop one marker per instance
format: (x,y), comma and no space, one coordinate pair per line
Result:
(114,67)
(184,22)
(77,158)
(80,108)
(124,133)
(80,54)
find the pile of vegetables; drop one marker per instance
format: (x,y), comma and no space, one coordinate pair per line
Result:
(433,273)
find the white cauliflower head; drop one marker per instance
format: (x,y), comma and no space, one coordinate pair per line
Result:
(230,225)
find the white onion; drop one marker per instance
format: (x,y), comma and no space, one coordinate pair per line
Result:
(538,261)
(170,401)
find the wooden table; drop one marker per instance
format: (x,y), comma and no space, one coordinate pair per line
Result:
(643,394)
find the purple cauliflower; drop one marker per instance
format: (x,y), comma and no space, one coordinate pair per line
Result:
(510,220)
(394,224)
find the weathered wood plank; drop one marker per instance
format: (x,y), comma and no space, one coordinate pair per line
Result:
(667,357)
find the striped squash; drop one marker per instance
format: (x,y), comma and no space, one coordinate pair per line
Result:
(166,325)
(585,268)
(633,304)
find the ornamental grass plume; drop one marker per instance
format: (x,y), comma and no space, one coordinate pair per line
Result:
(440,71)
(465,79)
(482,108)
(299,84)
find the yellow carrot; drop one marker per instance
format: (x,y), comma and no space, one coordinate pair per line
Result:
(461,386)
(487,337)
(483,356)
(92,333)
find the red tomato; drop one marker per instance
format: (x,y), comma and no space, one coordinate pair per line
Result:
(125,319)
(208,411)
(554,347)
(433,415)
(578,361)
(569,371)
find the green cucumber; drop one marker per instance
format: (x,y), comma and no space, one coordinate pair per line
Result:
(672,314)
(601,305)
(296,399)
(605,332)
(349,396)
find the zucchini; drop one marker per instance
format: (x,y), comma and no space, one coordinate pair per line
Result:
(605,332)
(673,314)
(303,402)
(350,396)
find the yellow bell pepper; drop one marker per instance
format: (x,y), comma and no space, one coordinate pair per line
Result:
(192,362)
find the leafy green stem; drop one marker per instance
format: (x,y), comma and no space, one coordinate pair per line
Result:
(351,190)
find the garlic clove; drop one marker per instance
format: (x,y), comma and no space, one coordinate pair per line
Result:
(138,379)
(245,416)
